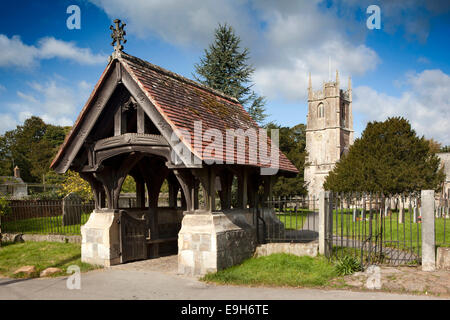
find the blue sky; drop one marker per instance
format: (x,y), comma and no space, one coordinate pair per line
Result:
(400,70)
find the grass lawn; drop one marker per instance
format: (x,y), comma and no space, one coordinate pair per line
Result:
(44,225)
(400,235)
(293,220)
(42,255)
(277,270)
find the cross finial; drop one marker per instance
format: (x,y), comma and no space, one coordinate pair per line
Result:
(118,35)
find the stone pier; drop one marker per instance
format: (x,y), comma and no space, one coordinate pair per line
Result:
(208,242)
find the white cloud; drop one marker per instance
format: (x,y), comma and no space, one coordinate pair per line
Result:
(55,101)
(287,39)
(179,22)
(301,38)
(7,122)
(425,103)
(15,53)
(52,48)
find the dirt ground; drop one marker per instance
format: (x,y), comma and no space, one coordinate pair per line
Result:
(410,280)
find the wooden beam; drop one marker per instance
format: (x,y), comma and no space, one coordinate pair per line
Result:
(140,120)
(118,121)
(185,179)
(90,118)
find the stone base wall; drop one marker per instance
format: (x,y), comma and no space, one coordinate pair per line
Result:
(21,237)
(299,249)
(100,238)
(208,242)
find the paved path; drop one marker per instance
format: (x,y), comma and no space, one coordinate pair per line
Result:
(157,279)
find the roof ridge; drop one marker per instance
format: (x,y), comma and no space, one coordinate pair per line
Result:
(177,76)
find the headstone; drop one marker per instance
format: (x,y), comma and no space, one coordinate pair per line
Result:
(71,209)
(386,207)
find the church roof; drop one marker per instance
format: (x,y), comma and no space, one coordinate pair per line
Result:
(181,102)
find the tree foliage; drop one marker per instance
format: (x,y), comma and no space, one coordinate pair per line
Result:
(74,183)
(388,158)
(31,147)
(224,67)
(293,144)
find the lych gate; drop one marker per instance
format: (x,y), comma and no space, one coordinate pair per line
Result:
(131,125)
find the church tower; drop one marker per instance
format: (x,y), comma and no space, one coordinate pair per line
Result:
(329,131)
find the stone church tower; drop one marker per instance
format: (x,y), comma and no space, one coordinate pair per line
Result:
(329,131)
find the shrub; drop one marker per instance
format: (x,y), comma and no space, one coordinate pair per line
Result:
(347,265)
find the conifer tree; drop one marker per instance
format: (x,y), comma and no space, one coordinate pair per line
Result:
(224,67)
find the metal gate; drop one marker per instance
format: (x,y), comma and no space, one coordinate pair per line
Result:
(375,229)
(288,219)
(133,233)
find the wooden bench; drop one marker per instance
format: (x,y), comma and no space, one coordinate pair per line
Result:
(154,245)
(161,240)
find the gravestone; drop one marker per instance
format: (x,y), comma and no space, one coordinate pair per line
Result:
(71,209)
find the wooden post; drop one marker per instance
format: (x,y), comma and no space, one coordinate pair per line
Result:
(211,197)
(244,189)
(140,193)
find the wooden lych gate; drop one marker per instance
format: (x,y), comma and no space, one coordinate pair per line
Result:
(135,124)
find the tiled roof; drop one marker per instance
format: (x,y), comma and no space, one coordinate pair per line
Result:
(182,102)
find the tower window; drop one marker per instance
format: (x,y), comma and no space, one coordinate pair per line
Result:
(320,111)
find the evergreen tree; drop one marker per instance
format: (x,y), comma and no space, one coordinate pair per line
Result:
(388,158)
(224,67)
